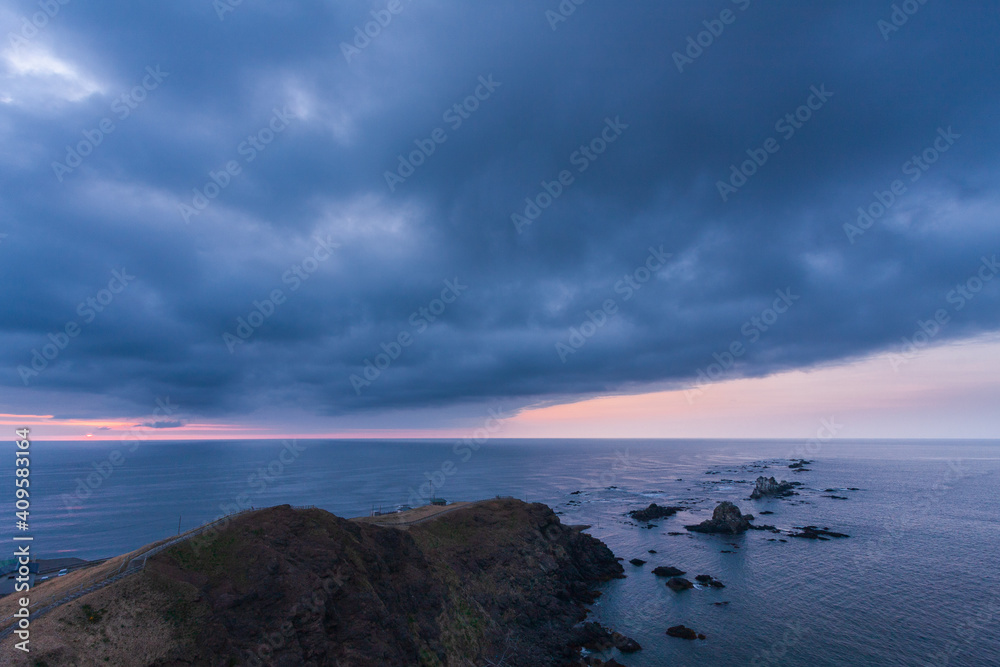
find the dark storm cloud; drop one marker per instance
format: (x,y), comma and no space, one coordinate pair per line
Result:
(262,112)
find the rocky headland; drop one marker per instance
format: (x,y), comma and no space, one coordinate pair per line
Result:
(498,582)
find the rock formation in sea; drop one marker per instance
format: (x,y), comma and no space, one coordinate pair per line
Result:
(768,487)
(726,519)
(679,584)
(654,511)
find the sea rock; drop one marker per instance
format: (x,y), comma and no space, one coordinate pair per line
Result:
(768,487)
(709,580)
(801,463)
(765,527)
(637,561)
(814,533)
(679,584)
(667,571)
(654,511)
(725,519)
(684,632)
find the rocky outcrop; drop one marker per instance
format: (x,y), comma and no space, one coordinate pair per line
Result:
(654,511)
(726,519)
(667,571)
(679,584)
(637,562)
(768,487)
(596,637)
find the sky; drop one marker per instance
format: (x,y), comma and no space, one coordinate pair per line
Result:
(416,218)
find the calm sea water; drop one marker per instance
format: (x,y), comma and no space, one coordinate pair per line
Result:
(917,582)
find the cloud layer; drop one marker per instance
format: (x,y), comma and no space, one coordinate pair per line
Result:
(242,213)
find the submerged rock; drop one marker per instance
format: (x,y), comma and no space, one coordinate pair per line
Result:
(814,533)
(684,632)
(768,487)
(654,511)
(765,527)
(725,519)
(709,580)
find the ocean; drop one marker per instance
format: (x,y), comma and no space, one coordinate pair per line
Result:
(916,583)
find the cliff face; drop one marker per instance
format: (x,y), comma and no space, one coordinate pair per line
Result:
(502,581)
